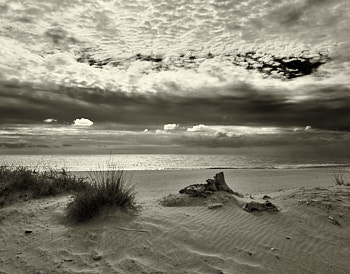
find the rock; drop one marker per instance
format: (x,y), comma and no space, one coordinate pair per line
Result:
(27,231)
(257,206)
(97,257)
(333,220)
(215,205)
(266,197)
(237,194)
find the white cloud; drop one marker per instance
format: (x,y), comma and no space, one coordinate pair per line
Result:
(159,131)
(82,122)
(221,133)
(197,128)
(171,126)
(230,131)
(50,120)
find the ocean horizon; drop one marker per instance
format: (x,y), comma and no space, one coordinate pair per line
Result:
(172,161)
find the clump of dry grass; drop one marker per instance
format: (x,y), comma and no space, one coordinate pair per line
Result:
(49,182)
(106,188)
(338,175)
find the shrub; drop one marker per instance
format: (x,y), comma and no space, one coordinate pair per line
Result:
(50,182)
(106,188)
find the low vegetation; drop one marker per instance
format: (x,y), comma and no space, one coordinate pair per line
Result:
(101,189)
(338,175)
(37,184)
(106,188)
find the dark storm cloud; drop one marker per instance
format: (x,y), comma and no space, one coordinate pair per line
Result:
(59,36)
(324,108)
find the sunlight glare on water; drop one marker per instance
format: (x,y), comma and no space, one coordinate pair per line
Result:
(165,162)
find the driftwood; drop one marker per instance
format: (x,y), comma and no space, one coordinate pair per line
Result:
(219,181)
(219,184)
(212,185)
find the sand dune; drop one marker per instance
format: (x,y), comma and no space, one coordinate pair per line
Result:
(184,239)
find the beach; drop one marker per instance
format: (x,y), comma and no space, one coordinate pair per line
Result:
(229,120)
(309,234)
(249,181)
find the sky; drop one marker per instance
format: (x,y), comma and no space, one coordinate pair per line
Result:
(166,76)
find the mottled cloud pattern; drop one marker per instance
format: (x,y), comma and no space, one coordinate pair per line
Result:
(194,73)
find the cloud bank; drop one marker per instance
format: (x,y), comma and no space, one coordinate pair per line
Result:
(48,138)
(82,122)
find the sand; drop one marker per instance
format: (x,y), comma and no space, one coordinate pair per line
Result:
(310,234)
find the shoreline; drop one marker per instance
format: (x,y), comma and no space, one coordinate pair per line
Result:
(76,163)
(158,183)
(283,167)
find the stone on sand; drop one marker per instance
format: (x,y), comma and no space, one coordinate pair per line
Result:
(215,205)
(258,206)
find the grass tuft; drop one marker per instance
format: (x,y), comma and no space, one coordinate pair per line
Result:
(338,176)
(106,188)
(39,184)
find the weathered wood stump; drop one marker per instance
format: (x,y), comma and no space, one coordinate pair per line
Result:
(212,185)
(220,183)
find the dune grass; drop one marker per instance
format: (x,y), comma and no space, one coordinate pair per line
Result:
(106,188)
(100,189)
(38,184)
(338,176)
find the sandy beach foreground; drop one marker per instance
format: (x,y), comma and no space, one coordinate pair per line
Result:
(310,234)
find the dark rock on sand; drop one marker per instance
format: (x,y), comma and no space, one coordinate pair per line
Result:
(257,206)
(215,205)
(266,197)
(333,220)
(97,257)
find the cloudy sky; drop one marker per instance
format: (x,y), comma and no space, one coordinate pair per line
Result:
(166,76)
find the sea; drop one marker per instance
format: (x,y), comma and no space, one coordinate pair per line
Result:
(173,161)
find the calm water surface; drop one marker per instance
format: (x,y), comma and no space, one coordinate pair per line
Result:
(169,162)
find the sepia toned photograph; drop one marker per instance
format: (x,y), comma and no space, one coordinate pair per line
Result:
(175,137)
